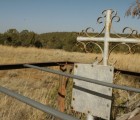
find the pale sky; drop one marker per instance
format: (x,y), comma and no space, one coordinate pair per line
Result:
(43,16)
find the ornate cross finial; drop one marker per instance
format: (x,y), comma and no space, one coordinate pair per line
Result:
(87,38)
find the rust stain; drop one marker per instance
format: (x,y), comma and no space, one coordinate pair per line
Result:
(62,87)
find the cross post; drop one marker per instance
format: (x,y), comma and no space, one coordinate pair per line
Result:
(107,39)
(98,72)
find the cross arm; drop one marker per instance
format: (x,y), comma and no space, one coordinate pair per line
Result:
(103,39)
(125,40)
(86,39)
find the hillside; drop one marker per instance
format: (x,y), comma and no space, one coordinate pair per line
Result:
(63,40)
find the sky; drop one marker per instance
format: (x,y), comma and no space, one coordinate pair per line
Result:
(43,16)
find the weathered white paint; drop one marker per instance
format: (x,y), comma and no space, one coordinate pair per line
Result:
(89,98)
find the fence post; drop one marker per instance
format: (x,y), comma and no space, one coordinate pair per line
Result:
(62,87)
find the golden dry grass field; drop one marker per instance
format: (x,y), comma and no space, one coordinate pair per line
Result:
(43,86)
(9,55)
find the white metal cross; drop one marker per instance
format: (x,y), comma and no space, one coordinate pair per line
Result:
(107,39)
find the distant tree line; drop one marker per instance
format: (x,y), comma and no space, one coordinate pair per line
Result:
(55,40)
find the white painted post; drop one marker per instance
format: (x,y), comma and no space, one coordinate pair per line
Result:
(107,36)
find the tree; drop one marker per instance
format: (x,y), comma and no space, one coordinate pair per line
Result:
(12,37)
(28,38)
(134,9)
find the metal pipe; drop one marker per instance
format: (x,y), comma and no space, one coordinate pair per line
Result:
(37,105)
(86,79)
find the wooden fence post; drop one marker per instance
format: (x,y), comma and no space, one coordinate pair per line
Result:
(62,86)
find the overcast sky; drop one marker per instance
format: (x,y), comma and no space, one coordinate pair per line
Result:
(43,16)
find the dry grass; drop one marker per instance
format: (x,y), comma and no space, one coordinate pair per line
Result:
(125,101)
(129,62)
(9,55)
(42,86)
(25,55)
